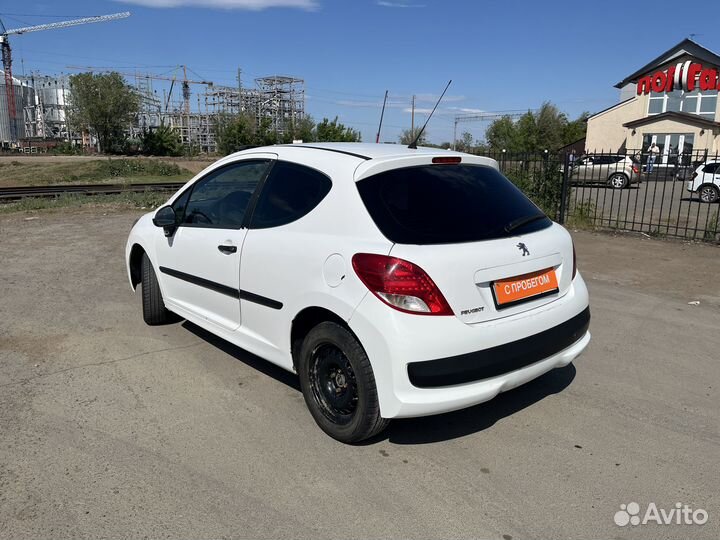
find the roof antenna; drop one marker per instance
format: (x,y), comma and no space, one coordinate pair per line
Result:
(413,144)
(377,139)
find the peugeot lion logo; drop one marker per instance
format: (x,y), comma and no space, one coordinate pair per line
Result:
(522,247)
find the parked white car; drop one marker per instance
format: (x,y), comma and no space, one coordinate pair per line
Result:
(705,181)
(395,282)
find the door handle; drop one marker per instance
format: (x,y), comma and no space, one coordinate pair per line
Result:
(227,250)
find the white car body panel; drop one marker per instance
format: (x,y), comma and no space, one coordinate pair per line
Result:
(703,177)
(307,263)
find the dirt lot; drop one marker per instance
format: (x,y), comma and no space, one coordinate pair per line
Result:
(110,428)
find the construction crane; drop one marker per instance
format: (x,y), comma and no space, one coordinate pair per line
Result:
(484,117)
(7,53)
(185,81)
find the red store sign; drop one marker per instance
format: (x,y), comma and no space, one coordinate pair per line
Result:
(688,76)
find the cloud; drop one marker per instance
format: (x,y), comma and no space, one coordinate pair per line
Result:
(253,5)
(398,4)
(417,110)
(468,110)
(432,98)
(391,104)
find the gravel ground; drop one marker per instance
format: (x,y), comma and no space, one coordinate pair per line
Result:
(110,428)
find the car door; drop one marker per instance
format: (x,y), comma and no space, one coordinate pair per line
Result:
(200,263)
(581,172)
(282,258)
(600,169)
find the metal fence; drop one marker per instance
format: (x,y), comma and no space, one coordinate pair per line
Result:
(676,195)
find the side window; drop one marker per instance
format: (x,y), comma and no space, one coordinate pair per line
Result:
(711,168)
(220,200)
(290,192)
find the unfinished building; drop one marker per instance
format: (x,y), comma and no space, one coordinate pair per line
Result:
(169,100)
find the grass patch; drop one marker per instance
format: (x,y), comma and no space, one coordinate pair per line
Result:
(145,199)
(711,228)
(582,216)
(100,171)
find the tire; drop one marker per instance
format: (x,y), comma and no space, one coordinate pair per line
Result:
(618,181)
(153,307)
(338,384)
(709,193)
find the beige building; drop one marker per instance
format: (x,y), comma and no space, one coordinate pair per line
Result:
(672,101)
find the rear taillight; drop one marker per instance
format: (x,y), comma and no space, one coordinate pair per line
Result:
(400,284)
(574,262)
(635,169)
(447,160)
(694,176)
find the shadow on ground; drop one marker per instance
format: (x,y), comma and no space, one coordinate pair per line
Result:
(428,429)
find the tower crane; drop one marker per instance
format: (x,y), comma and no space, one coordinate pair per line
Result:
(7,53)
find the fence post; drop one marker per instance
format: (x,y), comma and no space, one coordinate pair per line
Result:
(564,191)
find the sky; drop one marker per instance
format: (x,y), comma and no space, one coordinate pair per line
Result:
(500,55)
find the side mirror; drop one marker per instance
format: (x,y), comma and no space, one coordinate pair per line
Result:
(165,218)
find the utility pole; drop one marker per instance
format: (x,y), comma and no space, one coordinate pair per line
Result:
(454,141)
(240,99)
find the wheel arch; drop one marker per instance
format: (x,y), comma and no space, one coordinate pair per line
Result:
(305,320)
(135,264)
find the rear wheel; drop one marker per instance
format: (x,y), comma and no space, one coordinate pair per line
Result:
(338,384)
(154,311)
(709,194)
(618,181)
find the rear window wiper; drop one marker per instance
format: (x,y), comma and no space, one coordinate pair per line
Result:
(519,222)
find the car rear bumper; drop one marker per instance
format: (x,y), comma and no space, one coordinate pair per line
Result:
(428,365)
(499,360)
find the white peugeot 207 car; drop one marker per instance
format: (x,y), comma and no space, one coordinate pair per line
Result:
(395,282)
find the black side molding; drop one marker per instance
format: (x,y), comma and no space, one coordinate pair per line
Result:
(223,289)
(262,300)
(476,366)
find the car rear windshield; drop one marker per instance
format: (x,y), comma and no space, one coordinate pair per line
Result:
(444,204)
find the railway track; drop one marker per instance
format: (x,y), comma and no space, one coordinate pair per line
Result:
(12,194)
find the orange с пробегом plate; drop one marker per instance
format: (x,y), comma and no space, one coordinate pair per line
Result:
(516,289)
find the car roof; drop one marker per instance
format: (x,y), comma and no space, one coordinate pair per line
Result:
(363,158)
(365,151)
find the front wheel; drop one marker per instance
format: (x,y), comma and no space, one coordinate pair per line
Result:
(618,181)
(709,194)
(153,307)
(338,384)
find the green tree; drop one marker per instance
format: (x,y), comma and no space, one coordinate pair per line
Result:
(161,141)
(233,133)
(546,129)
(103,105)
(303,130)
(527,133)
(465,143)
(502,134)
(576,129)
(408,136)
(327,131)
(265,135)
